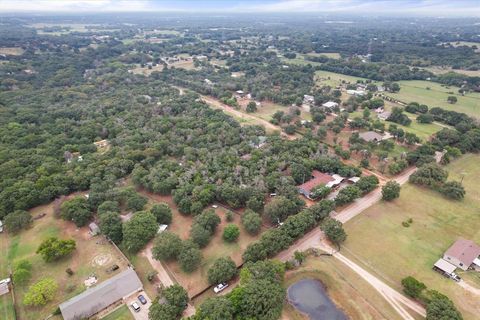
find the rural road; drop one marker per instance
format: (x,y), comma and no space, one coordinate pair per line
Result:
(469,288)
(163,275)
(359,205)
(315,239)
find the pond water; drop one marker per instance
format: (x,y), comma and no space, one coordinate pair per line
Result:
(309,296)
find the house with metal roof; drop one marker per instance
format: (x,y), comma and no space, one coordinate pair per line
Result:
(95,299)
(463,254)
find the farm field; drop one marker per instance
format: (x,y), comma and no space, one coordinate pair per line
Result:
(436,96)
(441,70)
(11,51)
(91,257)
(333,79)
(121,313)
(196,281)
(350,293)
(437,223)
(331,55)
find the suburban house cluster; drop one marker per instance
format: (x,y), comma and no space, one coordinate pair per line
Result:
(463,254)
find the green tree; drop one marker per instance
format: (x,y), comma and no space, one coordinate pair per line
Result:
(17,220)
(208,219)
(140,229)
(391,190)
(251,107)
(53,248)
(442,308)
(279,209)
(262,299)
(190,256)
(76,210)
(299,256)
(200,235)
(217,308)
(167,246)
(22,272)
(412,287)
(108,206)
(162,212)
(231,233)
(136,202)
(111,226)
(162,311)
(347,195)
(177,297)
(452,99)
(252,222)
(334,230)
(40,293)
(222,270)
(453,190)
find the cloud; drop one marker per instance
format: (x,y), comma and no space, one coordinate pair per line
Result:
(73,5)
(447,8)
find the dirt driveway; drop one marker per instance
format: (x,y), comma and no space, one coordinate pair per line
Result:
(143,313)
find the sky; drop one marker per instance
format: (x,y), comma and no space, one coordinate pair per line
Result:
(436,8)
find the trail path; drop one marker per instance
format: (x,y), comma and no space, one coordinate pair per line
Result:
(164,276)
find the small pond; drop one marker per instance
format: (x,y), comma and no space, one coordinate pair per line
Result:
(309,296)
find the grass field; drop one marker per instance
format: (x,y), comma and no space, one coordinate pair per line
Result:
(196,281)
(89,258)
(379,242)
(350,293)
(7,312)
(436,96)
(331,55)
(121,313)
(333,79)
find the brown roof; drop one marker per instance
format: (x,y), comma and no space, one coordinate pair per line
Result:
(464,250)
(318,178)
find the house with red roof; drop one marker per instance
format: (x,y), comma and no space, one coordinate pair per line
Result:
(319,178)
(463,254)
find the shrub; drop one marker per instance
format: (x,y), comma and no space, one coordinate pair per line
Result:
(229,215)
(412,287)
(252,222)
(53,248)
(17,220)
(231,233)
(40,293)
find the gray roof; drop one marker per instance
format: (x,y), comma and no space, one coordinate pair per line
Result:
(370,136)
(101,296)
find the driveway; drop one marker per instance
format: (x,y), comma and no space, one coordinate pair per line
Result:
(143,313)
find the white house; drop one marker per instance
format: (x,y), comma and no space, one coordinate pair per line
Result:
(356,92)
(330,105)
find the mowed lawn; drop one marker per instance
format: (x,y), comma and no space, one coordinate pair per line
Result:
(334,79)
(379,242)
(436,96)
(121,313)
(89,258)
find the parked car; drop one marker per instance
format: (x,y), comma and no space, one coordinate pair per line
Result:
(455,277)
(142,299)
(135,307)
(112,268)
(220,287)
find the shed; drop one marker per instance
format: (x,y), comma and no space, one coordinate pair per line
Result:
(1,226)
(94,229)
(95,299)
(371,136)
(330,105)
(162,228)
(444,266)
